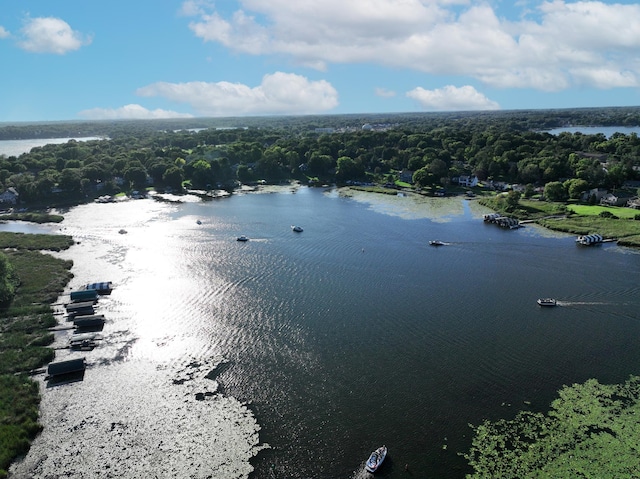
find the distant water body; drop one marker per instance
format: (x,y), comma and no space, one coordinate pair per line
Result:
(607,131)
(294,355)
(18,147)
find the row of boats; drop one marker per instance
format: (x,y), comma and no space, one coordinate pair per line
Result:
(294,228)
(81,311)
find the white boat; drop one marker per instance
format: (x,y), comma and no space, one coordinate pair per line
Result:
(297,229)
(547,302)
(375,459)
(437,243)
(590,240)
(242,238)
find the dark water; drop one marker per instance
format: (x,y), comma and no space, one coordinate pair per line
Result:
(327,343)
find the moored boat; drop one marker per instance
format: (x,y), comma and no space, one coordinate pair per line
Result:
(375,459)
(547,302)
(590,240)
(104,287)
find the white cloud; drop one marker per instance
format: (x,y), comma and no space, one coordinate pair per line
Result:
(130,112)
(3,32)
(451,98)
(51,35)
(552,47)
(383,92)
(279,93)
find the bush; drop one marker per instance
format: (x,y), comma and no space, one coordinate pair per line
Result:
(607,214)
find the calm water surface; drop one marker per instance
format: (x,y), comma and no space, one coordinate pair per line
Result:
(295,355)
(18,147)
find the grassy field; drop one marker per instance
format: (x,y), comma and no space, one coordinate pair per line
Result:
(25,335)
(588,210)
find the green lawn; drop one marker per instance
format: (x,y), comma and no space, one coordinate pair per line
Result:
(588,210)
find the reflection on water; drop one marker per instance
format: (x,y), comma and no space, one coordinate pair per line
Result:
(323,344)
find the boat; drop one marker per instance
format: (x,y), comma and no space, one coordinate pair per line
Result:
(297,229)
(436,243)
(242,238)
(547,302)
(122,231)
(103,287)
(590,240)
(376,458)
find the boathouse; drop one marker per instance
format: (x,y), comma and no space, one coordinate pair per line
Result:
(63,368)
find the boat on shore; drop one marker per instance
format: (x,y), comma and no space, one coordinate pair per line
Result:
(547,302)
(375,459)
(589,240)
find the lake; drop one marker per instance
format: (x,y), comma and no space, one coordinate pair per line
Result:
(296,354)
(607,131)
(18,147)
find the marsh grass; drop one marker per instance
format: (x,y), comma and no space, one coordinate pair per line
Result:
(25,335)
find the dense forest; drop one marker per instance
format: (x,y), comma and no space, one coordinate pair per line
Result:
(199,153)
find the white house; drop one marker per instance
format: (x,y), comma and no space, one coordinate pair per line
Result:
(468,181)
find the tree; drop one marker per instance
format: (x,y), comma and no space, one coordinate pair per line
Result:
(512,199)
(173,177)
(554,191)
(575,187)
(136,176)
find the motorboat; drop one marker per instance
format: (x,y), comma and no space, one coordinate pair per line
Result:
(437,243)
(297,229)
(547,302)
(375,459)
(242,238)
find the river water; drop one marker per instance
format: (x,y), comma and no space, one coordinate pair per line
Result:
(293,355)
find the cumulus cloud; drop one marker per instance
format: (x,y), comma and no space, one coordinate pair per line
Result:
(130,112)
(552,47)
(279,93)
(451,98)
(51,35)
(3,32)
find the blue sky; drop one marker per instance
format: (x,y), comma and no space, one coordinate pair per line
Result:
(117,59)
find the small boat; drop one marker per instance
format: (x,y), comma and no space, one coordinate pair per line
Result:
(297,229)
(122,231)
(103,287)
(436,243)
(547,302)
(375,459)
(242,238)
(590,240)
(199,222)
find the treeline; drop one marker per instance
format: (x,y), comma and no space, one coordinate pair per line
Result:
(509,147)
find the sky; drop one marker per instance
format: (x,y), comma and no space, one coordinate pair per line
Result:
(129,59)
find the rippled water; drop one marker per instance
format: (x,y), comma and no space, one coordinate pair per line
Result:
(297,354)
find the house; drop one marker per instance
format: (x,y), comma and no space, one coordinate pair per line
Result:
(597,193)
(10,196)
(616,199)
(468,181)
(406,176)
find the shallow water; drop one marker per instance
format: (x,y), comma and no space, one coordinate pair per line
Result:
(316,348)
